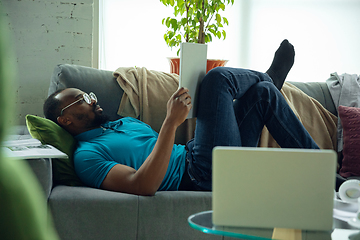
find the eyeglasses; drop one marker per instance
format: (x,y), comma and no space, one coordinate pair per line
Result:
(86,97)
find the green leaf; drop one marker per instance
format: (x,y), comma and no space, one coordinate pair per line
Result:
(183,21)
(167,22)
(222,6)
(182,10)
(208,38)
(193,23)
(214,27)
(212,31)
(225,21)
(218,18)
(224,34)
(174,23)
(180,3)
(198,15)
(172,43)
(218,34)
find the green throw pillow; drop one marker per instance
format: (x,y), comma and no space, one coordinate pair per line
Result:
(48,132)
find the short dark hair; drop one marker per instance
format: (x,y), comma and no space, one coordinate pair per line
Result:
(51,107)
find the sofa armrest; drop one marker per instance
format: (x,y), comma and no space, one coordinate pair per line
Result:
(42,168)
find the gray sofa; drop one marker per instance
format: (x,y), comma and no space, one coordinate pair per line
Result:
(88,213)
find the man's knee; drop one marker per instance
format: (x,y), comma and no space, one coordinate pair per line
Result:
(216,73)
(266,88)
(266,85)
(217,77)
(218,70)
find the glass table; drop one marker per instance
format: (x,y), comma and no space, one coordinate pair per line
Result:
(203,222)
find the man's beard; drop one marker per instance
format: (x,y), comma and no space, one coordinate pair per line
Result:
(96,122)
(100,118)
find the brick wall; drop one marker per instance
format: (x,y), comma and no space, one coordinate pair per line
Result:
(46,33)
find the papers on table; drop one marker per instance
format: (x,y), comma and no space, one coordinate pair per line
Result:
(30,148)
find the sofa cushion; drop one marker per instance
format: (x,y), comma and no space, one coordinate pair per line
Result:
(350,120)
(50,133)
(87,79)
(89,213)
(168,211)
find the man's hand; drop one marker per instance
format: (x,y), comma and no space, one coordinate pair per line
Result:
(178,106)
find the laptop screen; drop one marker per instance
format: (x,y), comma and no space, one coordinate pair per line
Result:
(271,187)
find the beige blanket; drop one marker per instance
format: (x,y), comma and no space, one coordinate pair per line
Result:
(146,93)
(319,122)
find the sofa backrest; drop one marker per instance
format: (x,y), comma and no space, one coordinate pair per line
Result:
(88,79)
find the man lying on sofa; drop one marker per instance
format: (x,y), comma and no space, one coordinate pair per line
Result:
(126,155)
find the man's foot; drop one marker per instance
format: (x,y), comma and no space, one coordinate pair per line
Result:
(282,63)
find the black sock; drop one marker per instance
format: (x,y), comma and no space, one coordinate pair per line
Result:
(282,63)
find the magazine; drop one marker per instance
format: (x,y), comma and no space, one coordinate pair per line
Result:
(29,149)
(193,60)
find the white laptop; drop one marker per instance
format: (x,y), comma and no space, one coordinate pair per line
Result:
(273,188)
(193,61)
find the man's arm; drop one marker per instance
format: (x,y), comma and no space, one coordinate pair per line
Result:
(147,179)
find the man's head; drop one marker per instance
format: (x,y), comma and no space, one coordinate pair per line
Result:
(74,110)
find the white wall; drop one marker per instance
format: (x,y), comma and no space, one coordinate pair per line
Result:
(46,33)
(324,33)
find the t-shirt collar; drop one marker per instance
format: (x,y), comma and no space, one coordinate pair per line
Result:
(88,135)
(85,136)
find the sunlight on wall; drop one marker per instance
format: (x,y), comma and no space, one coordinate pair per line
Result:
(324,32)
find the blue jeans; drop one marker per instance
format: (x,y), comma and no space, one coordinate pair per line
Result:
(234,106)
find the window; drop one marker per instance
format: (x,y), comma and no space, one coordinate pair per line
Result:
(131,34)
(324,32)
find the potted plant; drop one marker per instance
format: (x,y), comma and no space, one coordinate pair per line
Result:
(195,21)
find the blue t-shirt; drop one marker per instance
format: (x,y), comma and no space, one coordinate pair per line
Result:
(126,141)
